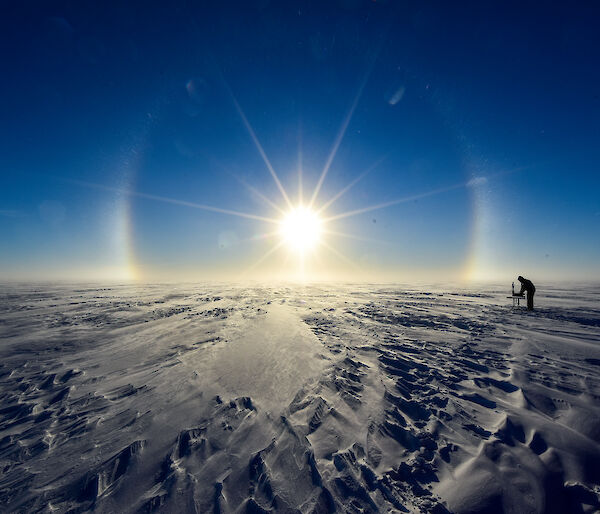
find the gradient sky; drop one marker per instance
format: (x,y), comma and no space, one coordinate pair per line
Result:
(483,116)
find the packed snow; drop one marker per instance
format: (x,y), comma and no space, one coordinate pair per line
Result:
(323,398)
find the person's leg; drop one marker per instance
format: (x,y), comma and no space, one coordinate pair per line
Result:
(529,301)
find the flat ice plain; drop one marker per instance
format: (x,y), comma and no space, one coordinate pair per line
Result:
(349,398)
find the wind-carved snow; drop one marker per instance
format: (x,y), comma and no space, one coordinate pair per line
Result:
(268,358)
(305,399)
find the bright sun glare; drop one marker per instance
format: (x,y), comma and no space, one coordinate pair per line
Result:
(301,229)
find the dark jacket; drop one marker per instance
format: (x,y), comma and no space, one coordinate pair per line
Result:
(527,285)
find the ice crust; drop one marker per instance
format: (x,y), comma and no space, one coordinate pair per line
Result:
(322,398)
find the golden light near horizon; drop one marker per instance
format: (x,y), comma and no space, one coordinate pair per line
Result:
(301,229)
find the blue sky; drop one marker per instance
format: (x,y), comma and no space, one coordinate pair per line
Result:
(485,114)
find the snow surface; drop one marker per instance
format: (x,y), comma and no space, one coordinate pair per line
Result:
(354,398)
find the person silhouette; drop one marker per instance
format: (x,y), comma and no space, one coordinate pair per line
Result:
(526,285)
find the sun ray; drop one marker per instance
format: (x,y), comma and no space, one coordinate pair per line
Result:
(300,192)
(252,189)
(348,118)
(340,255)
(353,236)
(267,254)
(340,135)
(256,238)
(420,195)
(259,147)
(394,202)
(260,195)
(351,184)
(173,201)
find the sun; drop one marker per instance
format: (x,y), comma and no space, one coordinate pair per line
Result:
(301,229)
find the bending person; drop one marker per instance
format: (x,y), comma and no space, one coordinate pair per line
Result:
(527,285)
